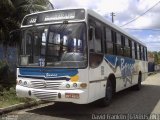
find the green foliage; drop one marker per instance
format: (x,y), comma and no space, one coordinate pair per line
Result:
(155,55)
(13,11)
(8,97)
(7,78)
(3,68)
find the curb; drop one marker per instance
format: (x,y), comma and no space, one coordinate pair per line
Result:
(20,106)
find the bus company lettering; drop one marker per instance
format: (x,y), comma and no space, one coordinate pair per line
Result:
(127,68)
(126,65)
(51,75)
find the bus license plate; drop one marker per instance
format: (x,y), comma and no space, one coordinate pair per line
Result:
(72,95)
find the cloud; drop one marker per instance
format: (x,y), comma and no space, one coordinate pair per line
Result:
(125,10)
(150,38)
(74,3)
(149,19)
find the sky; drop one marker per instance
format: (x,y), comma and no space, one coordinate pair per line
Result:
(146,27)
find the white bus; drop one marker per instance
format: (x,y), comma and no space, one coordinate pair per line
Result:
(76,55)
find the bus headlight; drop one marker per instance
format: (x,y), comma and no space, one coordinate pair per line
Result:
(75,85)
(67,85)
(83,85)
(25,83)
(19,82)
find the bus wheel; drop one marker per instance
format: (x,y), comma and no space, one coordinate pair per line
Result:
(108,95)
(139,85)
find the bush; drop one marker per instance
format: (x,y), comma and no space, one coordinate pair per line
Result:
(9,97)
(7,79)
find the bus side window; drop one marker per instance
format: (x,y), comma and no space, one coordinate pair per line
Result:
(95,43)
(138,55)
(135,47)
(145,53)
(119,45)
(91,39)
(133,50)
(109,43)
(127,51)
(95,38)
(114,39)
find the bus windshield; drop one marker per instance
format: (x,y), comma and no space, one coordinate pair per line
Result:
(57,45)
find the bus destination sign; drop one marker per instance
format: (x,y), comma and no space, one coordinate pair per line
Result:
(54,16)
(60,16)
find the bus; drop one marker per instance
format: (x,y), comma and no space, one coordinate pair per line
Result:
(77,56)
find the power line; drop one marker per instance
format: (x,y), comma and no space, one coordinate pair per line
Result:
(150,29)
(141,14)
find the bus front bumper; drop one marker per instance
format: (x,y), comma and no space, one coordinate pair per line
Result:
(79,96)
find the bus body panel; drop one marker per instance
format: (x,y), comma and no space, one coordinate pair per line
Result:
(124,78)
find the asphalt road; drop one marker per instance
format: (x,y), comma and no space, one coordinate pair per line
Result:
(127,104)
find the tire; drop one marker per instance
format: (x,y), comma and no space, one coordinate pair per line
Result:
(108,95)
(139,85)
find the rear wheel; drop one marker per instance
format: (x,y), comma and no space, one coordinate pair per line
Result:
(139,85)
(108,95)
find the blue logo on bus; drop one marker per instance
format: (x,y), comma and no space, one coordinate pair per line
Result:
(125,64)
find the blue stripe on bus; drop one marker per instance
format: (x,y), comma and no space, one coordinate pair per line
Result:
(47,73)
(117,60)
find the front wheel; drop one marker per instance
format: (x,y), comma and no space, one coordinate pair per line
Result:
(108,95)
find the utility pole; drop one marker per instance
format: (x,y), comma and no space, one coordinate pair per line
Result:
(112,14)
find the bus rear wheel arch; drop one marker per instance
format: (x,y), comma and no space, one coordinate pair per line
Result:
(139,85)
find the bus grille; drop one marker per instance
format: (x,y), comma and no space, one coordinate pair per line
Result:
(43,95)
(46,85)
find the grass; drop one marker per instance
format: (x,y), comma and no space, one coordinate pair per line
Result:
(8,98)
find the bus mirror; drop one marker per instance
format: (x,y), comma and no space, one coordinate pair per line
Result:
(90,34)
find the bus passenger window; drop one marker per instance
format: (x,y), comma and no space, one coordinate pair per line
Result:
(95,38)
(91,41)
(119,45)
(95,45)
(133,50)
(138,53)
(98,40)
(109,43)
(127,48)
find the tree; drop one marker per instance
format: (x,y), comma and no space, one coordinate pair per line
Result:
(6,8)
(156,59)
(29,6)
(13,11)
